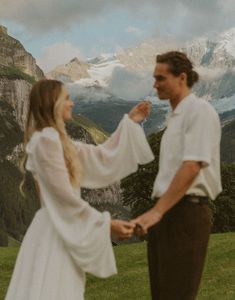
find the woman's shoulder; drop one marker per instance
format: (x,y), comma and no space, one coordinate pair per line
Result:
(45,136)
(50,132)
(46,132)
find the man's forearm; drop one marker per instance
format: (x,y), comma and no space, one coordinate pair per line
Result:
(178,187)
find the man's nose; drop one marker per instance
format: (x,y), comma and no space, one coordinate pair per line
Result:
(155,85)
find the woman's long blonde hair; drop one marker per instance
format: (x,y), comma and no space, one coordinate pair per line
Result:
(45,110)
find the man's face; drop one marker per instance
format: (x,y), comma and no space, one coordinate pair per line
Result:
(168,86)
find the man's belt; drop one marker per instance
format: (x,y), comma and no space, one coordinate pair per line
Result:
(191,198)
(196,199)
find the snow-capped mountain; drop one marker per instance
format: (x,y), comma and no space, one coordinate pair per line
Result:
(100,70)
(224,52)
(70,72)
(127,75)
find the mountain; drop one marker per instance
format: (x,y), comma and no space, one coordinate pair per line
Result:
(109,198)
(12,53)
(70,72)
(18,70)
(107,114)
(93,72)
(16,79)
(127,76)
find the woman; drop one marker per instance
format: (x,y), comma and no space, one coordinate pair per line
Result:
(67,237)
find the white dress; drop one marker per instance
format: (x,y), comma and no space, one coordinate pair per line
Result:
(67,237)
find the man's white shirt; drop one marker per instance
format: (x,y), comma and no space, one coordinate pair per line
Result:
(193,133)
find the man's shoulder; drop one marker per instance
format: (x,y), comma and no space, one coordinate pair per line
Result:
(200,105)
(200,112)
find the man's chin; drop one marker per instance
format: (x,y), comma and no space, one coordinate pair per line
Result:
(161,97)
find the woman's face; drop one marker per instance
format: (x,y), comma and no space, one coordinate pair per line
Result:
(67,104)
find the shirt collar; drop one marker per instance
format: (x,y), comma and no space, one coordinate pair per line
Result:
(180,107)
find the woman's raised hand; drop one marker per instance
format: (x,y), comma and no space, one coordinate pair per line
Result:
(122,230)
(141,111)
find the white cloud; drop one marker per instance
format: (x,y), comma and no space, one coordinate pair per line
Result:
(78,91)
(58,54)
(127,85)
(134,30)
(209,73)
(183,17)
(228,6)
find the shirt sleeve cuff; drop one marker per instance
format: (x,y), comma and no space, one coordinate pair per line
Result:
(205,161)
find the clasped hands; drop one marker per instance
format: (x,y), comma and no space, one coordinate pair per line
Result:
(123,230)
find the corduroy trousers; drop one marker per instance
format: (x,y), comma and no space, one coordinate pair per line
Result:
(177,248)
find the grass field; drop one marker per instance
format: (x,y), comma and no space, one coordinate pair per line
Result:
(132,282)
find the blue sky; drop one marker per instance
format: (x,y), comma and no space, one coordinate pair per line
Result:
(105,34)
(55,31)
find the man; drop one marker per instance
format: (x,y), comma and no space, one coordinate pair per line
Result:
(189,174)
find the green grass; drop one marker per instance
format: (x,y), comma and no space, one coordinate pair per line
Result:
(13,242)
(7,260)
(132,282)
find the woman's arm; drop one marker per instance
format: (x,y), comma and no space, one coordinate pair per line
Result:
(119,156)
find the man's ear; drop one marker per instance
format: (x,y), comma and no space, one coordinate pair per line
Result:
(183,76)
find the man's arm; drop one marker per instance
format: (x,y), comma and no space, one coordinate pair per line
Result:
(177,189)
(179,186)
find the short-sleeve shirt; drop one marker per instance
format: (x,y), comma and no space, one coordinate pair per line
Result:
(193,133)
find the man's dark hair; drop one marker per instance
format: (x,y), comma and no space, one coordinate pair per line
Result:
(179,63)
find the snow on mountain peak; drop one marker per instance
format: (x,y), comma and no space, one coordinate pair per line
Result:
(227,41)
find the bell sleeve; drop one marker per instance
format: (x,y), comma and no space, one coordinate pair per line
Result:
(84,230)
(116,158)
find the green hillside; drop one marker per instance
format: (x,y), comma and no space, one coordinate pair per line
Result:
(107,114)
(97,134)
(228,143)
(12,72)
(132,281)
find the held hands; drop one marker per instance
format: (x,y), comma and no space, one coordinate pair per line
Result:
(122,230)
(145,221)
(141,111)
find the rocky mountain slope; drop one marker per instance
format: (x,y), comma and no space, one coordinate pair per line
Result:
(70,72)
(12,52)
(18,71)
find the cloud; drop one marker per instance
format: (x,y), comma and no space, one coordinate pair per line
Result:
(123,84)
(127,85)
(210,74)
(46,15)
(58,54)
(78,91)
(182,17)
(134,30)
(228,6)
